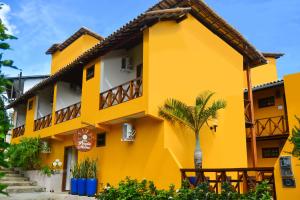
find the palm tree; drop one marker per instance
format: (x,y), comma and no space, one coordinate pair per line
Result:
(193,117)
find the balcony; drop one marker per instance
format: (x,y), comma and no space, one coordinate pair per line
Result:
(122,93)
(42,122)
(68,113)
(241,179)
(19,131)
(271,128)
(247,113)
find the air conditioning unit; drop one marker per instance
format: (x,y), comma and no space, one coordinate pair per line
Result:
(127,64)
(128,133)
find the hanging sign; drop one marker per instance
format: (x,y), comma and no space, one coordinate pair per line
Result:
(84,139)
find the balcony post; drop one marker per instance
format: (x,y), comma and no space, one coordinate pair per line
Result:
(251,113)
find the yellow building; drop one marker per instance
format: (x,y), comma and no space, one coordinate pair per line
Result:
(175,49)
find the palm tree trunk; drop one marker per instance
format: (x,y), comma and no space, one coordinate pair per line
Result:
(197,153)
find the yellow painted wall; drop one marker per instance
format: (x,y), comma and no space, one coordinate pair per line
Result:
(143,159)
(291,84)
(66,56)
(180,60)
(264,162)
(186,59)
(272,111)
(263,74)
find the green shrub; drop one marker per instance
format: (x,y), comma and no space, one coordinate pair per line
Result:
(46,170)
(25,154)
(92,169)
(145,190)
(75,171)
(84,168)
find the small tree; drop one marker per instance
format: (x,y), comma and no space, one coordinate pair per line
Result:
(295,139)
(193,117)
(4,121)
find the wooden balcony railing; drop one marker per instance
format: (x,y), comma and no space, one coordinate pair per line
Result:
(241,179)
(122,93)
(68,113)
(19,131)
(247,111)
(42,122)
(271,126)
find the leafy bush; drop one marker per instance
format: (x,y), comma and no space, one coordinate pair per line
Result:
(25,154)
(83,168)
(46,170)
(145,190)
(75,171)
(92,170)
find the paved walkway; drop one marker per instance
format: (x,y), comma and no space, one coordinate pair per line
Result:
(44,196)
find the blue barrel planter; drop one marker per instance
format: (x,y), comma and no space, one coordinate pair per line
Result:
(193,180)
(74,186)
(91,187)
(81,186)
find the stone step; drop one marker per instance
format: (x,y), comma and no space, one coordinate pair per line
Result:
(9,172)
(24,189)
(7,178)
(19,183)
(13,175)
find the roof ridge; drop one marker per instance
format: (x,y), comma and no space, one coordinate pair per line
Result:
(81,31)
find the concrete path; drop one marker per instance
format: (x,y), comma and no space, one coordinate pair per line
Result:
(44,196)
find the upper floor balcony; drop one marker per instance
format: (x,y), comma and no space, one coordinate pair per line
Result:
(270,113)
(19,119)
(270,128)
(120,80)
(122,93)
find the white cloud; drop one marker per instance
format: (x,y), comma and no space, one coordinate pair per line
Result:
(4,16)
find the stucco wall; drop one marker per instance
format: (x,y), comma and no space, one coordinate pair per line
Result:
(20,115)
(263,74)
(52,183)
(111,74)
(291,85)
(61,58)
(29,83)
(45,103)
(186,59)
(66,95)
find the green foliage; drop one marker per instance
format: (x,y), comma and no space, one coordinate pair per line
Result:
(295,140)
(92,170)
(75,171)
(4,121)
(195,116)
(46,170)
(83,168)
(87,168)
(145,190)
(25,154)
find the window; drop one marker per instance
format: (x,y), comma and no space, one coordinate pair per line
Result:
(90,72)
(266,102)
(270,152)
(30,105)
(101,137)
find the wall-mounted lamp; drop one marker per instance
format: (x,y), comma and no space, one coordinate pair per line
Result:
(214,125)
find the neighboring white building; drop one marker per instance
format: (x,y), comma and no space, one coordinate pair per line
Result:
(19,86)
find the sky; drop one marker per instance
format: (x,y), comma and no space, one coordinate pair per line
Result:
(270,25)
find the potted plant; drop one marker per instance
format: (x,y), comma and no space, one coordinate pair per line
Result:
(74,179)
(81,184)
(91,183)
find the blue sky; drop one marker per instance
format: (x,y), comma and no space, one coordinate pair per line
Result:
(270,25)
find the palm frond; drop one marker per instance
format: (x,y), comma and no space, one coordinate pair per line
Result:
(212,111)
(203,99)
(192,116)
(176,111)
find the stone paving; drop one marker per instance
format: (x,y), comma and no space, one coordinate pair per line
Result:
(44,196)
